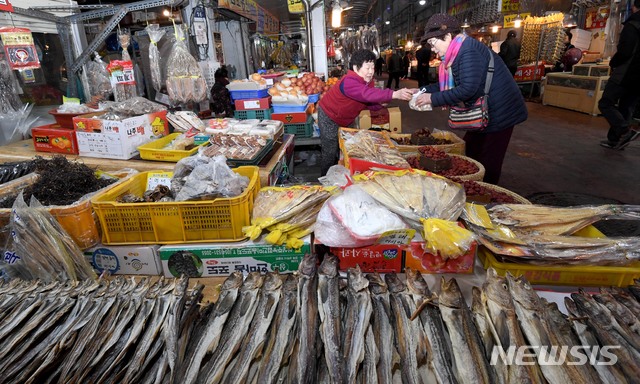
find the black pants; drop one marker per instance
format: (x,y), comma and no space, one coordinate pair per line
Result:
(618,116)
(394,76)
(489,149)
(423,77)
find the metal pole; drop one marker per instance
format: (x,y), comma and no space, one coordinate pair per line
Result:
(307,27)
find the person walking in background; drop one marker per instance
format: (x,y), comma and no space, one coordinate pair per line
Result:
(423,55)
(462,76)
(510,52)
(221,103)
(395,68)
(343,102)
(379,64)
(406,65)
(623,87)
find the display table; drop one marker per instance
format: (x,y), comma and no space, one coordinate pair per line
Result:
(270,167)
(578,93)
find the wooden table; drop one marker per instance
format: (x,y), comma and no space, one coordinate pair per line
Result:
(23,150)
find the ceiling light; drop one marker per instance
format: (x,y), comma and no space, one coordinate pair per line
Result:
(336,15)
(422,2)
(517,22)
(166,13)
(495,29)
(387,22)
(465,24)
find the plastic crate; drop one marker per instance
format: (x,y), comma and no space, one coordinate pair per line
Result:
(251,94)
(154,150)
(572,275)
(216,220)
(260,114)
(313,98)
(280,108)
(300,129)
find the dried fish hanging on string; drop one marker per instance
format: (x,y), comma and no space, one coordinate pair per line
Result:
(185,82)
(155,34)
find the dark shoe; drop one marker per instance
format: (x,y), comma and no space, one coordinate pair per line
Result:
(628,138)
(609,144)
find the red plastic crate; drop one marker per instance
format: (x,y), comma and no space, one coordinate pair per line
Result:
(250,104)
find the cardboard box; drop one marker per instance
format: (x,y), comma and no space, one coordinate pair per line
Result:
(249,104)
(383,258)
(53,138)
(395,120)
(118,139)
(222,259)
(125,259)
(418,259)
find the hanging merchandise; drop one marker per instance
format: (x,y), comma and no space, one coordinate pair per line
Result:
(99,78)
(200,29)
(123,81)
(8,90)
(331,51)
(19,48)
(543,39)
(155,34)
(184,76)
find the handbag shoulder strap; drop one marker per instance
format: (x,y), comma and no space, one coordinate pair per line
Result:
(487,83)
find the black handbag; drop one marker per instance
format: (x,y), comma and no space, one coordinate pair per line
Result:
(475,117)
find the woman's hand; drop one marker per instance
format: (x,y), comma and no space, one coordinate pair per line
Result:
(423,99)
(403,94)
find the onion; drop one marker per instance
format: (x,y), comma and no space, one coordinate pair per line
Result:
(256,77)
(273,91)
(286,82)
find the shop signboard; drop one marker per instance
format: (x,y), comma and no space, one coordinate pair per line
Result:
(459,7)
(19,48)
(251,10)
(596,18)
(510,5)
(5,5)
(295,6)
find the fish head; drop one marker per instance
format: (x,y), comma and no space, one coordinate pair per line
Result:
(330,265)
(477,300)
(416,283)
(309,265)
(357,281)
(377,285)
(588,306)
(254,280)
(496,288)
(571,307)
(290,282)
(450,294)
(394,283)
(522,292)
(233,281)
(272,281)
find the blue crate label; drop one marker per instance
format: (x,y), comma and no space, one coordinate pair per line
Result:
(104,259)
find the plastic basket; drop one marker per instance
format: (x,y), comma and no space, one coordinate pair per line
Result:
(300,129)
(260,114)
(573,275)
(256,159)
(314,98)
(279,108)
(154,150)
(216,220)
(249,94)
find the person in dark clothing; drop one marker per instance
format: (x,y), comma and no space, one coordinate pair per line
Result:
(395,69)
(423,55)
(510,52)
(406,64)
(623,87)
(462,77)
(378,65)
(560,65)
(221,103)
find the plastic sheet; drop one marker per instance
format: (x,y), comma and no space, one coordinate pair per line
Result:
(155,34)
(206,178)
(337,176)
(98,77)
(16,125)
(185,82)
(354,219)
(39,248)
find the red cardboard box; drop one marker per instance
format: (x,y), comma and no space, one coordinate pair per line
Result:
(418,259)
(383,258)
(248,104)
(53,138)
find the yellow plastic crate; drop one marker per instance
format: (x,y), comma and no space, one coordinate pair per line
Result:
(216,220)
(154,150)
(584,276)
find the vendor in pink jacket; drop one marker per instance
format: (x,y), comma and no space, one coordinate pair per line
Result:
(340,106)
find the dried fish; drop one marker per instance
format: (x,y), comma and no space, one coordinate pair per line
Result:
(356,323)
(330,322)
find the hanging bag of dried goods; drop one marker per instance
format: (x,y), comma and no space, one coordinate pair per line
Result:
(123,80)
(184,76)
(99,78)
(428,202)
(155,34)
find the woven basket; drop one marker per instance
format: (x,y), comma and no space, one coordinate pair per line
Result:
(478,176)
(457,147)
(518,198)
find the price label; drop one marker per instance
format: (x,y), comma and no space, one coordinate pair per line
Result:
(158,178)
(397,237)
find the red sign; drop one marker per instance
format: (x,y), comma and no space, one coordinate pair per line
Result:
(5,5)
(529,73)
(19,48)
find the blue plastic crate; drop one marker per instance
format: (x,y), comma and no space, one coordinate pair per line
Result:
(240,95)
(289,108)
(300,129)
(314,98)
(260,114)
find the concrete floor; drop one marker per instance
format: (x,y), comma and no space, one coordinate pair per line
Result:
(554,151)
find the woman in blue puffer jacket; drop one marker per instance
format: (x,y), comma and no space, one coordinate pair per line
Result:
(462,79)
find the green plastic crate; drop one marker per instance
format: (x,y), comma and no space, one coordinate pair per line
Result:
(260,114)
(300,129)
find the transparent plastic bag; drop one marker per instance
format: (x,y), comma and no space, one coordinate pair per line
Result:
(155,34)
(134,106)
(337,176)
(184,76)
(354,219)
(16,125)
(9,90)
(98,77)
(208,179)
(40,248)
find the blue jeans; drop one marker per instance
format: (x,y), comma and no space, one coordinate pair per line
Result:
(618,116)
